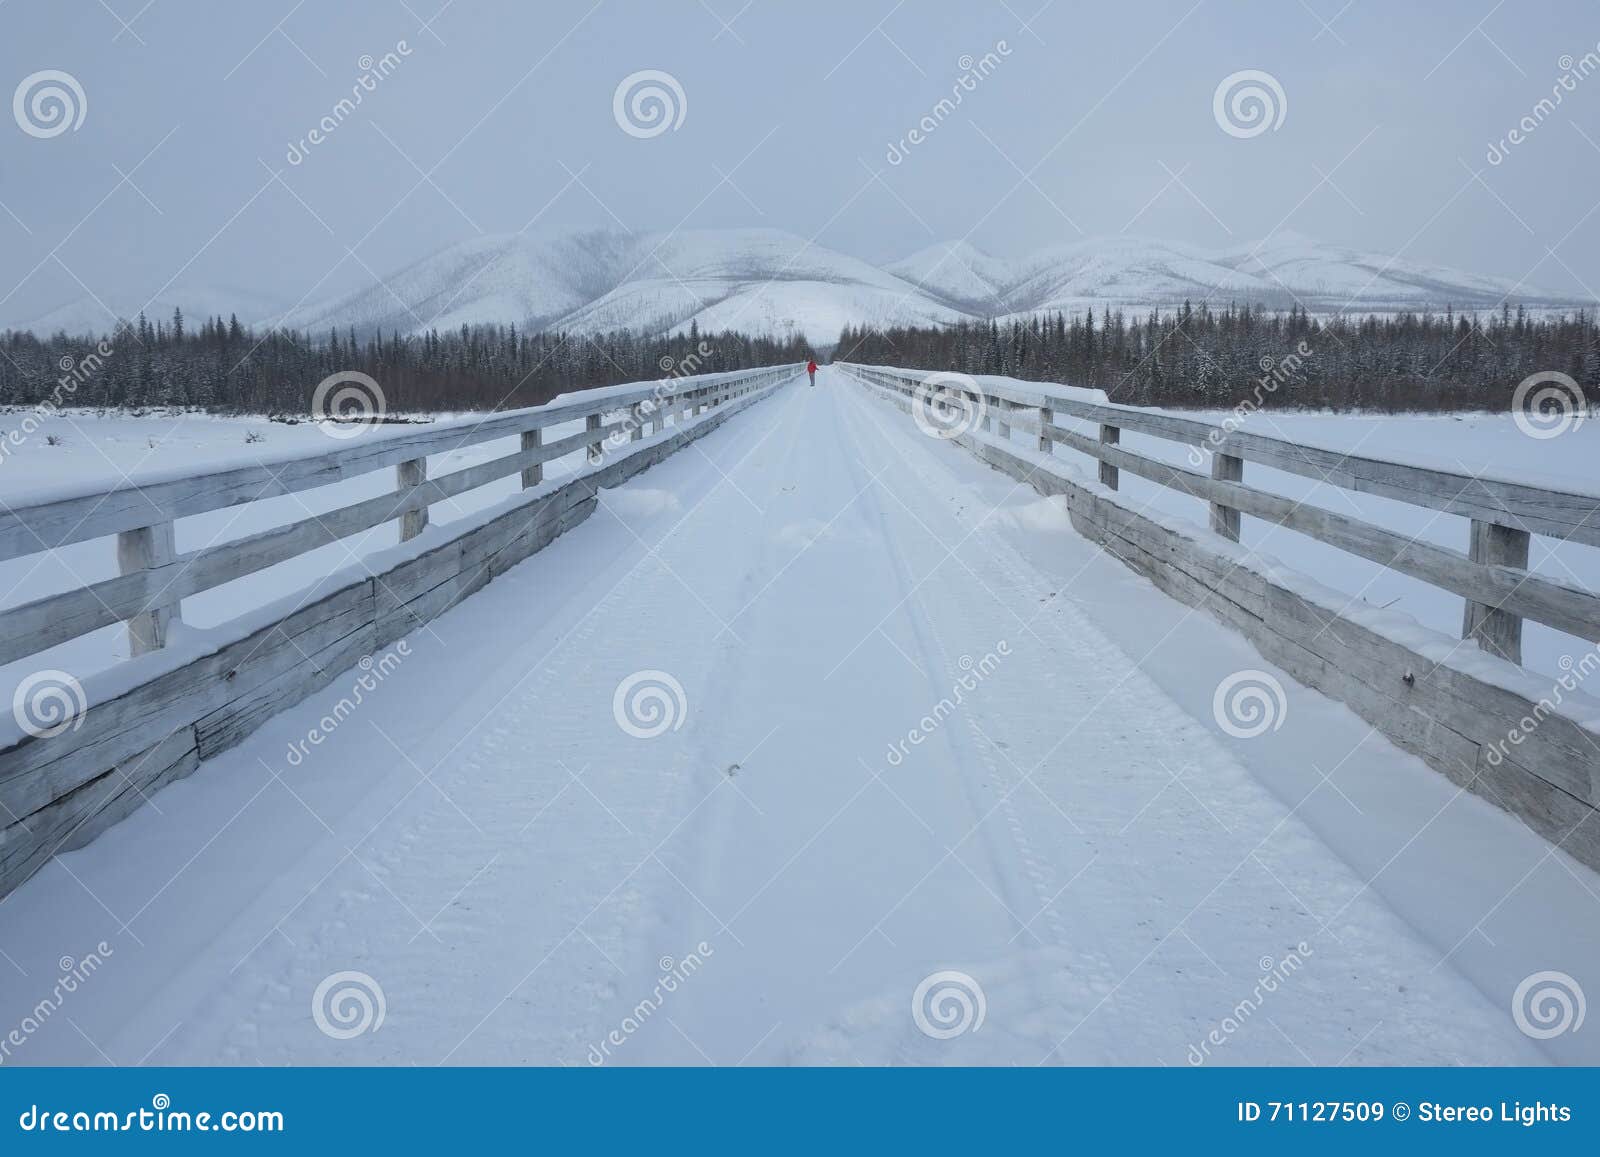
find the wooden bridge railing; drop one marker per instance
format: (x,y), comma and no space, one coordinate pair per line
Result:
(154,578)
(1492,575)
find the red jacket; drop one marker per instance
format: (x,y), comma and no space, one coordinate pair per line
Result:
(811,367)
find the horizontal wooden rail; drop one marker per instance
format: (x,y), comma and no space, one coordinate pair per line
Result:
(1492,576)
(155,579)
(1548,511)
(97,512)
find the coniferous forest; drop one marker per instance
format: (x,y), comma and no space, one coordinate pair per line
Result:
(1191,358)
(221,366)
(1198,358)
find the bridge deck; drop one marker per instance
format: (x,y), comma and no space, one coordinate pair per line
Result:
(514,869)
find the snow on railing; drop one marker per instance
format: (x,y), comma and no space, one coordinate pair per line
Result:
(154,578)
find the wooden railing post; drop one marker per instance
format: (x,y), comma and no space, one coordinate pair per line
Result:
(532,475)
(1225,519)
(1002,428)
(1047,418)
(1496,631)
(1109,436)
(408,474)
(596,449)
(636,415)
(145,549)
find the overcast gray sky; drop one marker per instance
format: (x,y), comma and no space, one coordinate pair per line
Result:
(1098,120)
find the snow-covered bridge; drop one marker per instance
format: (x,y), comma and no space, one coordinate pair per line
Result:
(818,741)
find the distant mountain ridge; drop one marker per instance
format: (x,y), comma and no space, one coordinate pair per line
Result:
(770,281)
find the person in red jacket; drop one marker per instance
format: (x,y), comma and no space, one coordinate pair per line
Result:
(811,368)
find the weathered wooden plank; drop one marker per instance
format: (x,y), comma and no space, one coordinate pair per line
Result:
(141,550)
(1110,436)
(408,477)
(1565,607)
(1224,518)
(532,475)
(1496,629)
(76,818)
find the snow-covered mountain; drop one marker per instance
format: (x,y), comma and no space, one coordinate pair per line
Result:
(769,281)
(1138,273)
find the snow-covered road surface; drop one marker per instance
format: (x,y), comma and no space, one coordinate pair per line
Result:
(491,843)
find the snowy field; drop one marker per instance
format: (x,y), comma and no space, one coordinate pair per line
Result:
(780,874)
